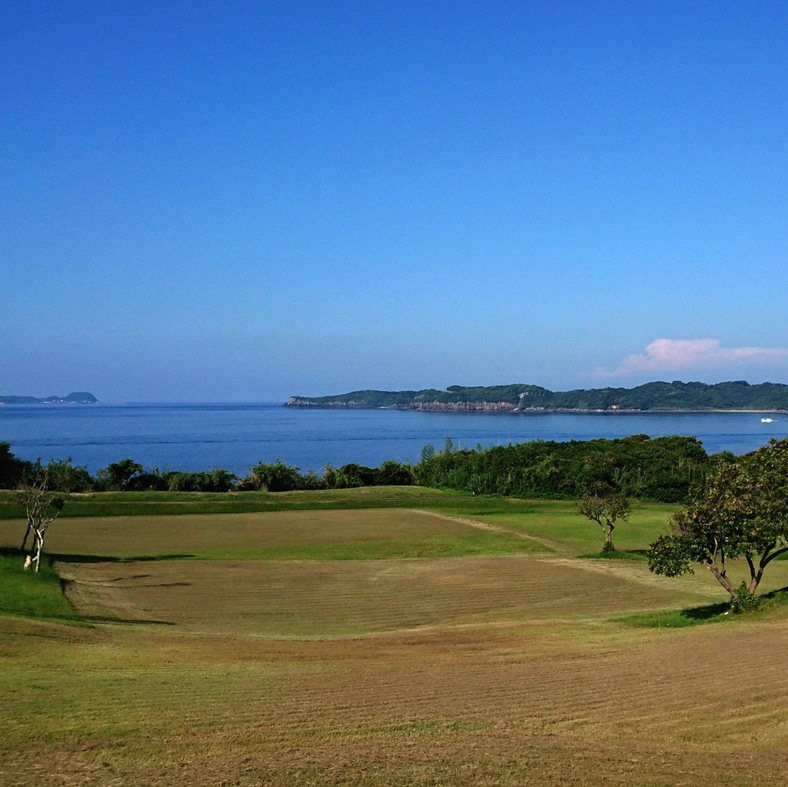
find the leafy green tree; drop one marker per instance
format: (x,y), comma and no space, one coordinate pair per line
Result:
(118,475)
(739,511)
(349,476)
(606,506)
(429,451)
(273,477)
(66,477)
(392,473)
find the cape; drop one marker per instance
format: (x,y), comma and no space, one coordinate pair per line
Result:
(78,397)
(517,398)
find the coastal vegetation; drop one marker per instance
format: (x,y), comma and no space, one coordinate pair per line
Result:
(651,397)
(659,469)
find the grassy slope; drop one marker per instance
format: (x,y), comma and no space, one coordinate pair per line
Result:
(510,674)
(31,595)
(183,503)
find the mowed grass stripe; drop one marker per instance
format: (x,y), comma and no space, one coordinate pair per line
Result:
(285,535)
(337,598)
(297,709)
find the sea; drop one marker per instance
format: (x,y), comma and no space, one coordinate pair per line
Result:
(239,435)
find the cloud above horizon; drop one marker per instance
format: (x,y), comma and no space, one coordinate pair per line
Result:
(677,354)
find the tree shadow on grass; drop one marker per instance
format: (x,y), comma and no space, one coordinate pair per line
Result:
(75,558)
(708,613)
(65,557)
(617,554)
(126,621)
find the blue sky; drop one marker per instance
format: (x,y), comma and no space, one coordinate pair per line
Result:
(241,201)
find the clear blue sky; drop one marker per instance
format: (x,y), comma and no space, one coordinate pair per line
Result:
(206,201)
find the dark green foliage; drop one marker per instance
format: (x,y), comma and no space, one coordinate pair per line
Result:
(219,480)
(11,469)
(739,511)
(660,469)
(118,475)
(616,554)
(348,476)
(152,481)
(273,477)
(392,473)
(65,477)
(608,547)
(656,396)
(744,601)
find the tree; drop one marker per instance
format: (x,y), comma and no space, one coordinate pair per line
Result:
(604,505)
(739,511)
(12,469)
(275,477)
(42,507)
(63,476)
(117,475)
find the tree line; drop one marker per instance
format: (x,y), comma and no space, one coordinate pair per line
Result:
(128,475)
(660,469)
(662,396)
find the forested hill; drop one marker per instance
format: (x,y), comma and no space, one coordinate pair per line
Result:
(78,397)
(657,396)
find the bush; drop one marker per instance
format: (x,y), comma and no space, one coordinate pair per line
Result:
(744,601)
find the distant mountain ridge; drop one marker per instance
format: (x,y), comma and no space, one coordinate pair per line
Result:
(517,398)
(78,397)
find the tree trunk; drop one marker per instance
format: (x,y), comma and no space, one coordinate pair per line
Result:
(39,546)
(24,540)
(721,577)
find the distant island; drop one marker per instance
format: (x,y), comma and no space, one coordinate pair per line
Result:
(78,397)
(651,397)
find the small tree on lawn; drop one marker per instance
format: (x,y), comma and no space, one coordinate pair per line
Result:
(604,505)
(740,511)
(42,508)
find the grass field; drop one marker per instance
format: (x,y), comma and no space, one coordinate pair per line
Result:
(423,644)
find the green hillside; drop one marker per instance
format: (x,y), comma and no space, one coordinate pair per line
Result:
(656,396)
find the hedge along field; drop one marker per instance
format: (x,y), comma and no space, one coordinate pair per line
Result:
(498,668)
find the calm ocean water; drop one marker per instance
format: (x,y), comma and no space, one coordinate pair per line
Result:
(235,436)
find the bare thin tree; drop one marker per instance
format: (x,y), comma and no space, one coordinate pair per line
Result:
(42,507)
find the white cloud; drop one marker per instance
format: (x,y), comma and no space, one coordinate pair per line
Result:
(664,355)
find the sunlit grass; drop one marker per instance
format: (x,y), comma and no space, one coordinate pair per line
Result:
(30,594)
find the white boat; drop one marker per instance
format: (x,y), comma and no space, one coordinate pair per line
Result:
(767,420)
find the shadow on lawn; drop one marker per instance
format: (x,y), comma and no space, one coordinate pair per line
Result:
(72,558)
(708,613)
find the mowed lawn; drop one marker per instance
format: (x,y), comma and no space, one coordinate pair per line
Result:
(331,534)
(382,647)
